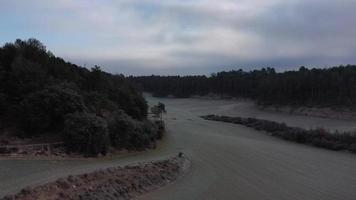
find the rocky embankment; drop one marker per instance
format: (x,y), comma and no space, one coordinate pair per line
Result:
(112,183)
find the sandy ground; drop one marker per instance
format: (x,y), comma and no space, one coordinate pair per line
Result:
(229,161)
(112,183)
(235,162)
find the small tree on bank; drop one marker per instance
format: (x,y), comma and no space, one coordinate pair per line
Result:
(158,110)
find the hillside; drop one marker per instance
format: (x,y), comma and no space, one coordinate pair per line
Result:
(42,95)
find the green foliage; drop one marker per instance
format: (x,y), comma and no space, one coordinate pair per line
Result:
(26,67)
(158,110)
(27,70)
(25,77)
(127,133)
(161,128)
(45,110)
(39,93)
(326,87)
(86,133)
(316,137)
(121,127)
(99,103)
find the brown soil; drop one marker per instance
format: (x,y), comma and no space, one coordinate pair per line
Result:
(111,183)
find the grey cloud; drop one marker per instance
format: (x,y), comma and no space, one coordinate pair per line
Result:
(311,19)
(167,37)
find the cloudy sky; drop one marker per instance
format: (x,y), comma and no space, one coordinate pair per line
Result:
(187,36)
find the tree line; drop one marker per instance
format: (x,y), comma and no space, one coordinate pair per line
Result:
(91,110)
(335,86)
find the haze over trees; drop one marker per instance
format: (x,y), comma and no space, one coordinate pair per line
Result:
(334,86)
(41,94)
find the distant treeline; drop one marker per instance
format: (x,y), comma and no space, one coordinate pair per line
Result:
(334,86)
(41,94)
(317,137)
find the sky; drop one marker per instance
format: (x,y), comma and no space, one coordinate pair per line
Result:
(143,37)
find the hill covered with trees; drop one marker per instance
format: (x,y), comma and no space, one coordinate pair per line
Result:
(327,87)
(91,110)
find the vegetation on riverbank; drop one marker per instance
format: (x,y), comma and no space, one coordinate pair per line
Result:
(111,183)
(91,110)
(326,87)
(315,137)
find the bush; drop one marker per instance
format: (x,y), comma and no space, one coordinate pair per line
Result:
(45,110)
(161,128)
(121,126)
(152,130)
(25,77)
(98,103)
(126,132)
(316,137)
(139,139)
(86,133)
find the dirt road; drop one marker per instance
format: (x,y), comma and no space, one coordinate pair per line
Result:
(229,161)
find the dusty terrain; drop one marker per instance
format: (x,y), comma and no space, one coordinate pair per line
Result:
(112,183)
(228,161)
(234,162)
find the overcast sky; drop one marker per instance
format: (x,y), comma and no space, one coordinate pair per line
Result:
(187,36)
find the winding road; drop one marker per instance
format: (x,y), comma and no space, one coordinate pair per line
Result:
(229,161)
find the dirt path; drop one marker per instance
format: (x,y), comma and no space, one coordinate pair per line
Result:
(17,174)
(229,161)
(112,183)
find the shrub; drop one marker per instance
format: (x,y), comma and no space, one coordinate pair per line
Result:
(45,110)
(98,103)
(126,132)
(139,139)
(151,129)
(121,126)
(161,128)
(316,137)
(86,133)
(25,77)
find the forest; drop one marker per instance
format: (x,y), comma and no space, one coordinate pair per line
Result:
(324,87)
(90,110)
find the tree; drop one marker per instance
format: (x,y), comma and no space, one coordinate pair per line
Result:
(121,127)
(45,110)
(86,133)
(158,110)
(127,133)
(25,77)
(327,87)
